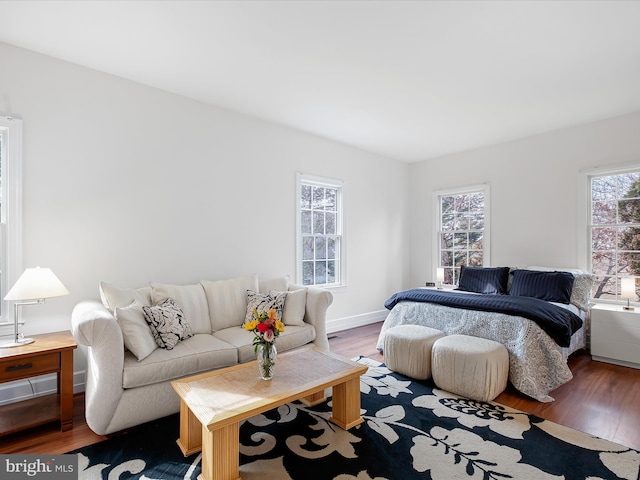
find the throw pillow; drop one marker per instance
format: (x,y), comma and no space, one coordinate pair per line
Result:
(581,292)
(484,280)
(114,297)
(582,284)
(167,323)
(136,333)
(263,302)
(548,286)
(295,306)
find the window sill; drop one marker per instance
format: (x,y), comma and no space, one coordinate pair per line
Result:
(331,288)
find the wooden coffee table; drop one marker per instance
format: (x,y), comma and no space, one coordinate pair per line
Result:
(212,404)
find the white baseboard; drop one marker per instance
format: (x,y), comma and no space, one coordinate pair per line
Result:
(346,323)
(19,390)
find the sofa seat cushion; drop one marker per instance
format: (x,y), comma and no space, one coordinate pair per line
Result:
(200,353)
(293,337)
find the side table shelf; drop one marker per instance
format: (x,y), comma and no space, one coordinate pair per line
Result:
(615,335)
(50,353)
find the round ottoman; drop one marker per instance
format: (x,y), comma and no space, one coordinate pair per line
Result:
(407,350)
(471,367)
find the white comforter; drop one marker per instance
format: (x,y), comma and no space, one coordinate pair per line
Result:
(537,365)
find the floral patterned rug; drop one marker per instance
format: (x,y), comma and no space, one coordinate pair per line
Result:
(411,431)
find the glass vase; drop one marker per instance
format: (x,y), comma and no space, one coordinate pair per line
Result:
(267,357)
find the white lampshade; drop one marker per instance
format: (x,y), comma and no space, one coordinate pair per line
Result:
(628,288)
(36,283)
(440,274)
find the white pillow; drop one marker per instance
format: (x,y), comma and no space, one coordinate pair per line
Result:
(137,336)
(191,299)
(227,300)
(114,297)
(294,307)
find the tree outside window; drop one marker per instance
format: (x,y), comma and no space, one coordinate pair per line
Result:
(614,231)
(461,231)
(320,232)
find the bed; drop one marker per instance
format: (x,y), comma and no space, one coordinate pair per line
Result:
(538,347)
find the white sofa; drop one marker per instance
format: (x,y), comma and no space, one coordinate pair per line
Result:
(124,389)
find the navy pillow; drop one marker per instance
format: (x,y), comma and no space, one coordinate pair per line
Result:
(483,280)
(549,286)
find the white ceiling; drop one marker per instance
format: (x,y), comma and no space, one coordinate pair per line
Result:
(408,80)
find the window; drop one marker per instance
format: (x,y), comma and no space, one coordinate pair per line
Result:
(614,230)
(462,217)
(10,205)
(320,251)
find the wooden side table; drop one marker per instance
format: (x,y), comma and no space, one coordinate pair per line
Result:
(50,353)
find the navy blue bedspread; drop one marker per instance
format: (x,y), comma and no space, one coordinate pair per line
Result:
(559,323)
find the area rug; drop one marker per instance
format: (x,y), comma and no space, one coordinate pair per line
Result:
(412,430)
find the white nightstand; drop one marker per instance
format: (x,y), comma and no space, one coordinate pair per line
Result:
(615,335)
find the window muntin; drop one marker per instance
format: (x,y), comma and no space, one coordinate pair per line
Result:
(320,236)
(462,233)
(614,231)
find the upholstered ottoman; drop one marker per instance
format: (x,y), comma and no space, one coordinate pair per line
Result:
(407,350)
(471,367)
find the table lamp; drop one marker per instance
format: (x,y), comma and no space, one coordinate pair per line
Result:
(628,290)
(33,286)
(440,277)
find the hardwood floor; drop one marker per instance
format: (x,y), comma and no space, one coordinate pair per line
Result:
(602,400)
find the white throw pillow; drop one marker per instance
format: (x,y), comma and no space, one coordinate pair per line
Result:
(294,307)
(136,332)
(167,323)
(191,299)
(264,302)
(227,300)
(115,297)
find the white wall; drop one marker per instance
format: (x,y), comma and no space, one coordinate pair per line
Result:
(129,184)
(534,192)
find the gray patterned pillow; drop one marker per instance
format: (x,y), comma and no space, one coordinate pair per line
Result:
(581,293)
(263,302)
(167,323)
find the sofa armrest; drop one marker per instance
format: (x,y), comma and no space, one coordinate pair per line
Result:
(318,301)
(95,326)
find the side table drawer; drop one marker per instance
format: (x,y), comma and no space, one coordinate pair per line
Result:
(29,367)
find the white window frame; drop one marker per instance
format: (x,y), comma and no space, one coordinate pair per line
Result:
(341,271)
(437,223)
(585,255)
(11,209)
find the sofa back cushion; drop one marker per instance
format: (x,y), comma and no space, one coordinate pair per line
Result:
(227,300)
(192,301)
(280,284)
